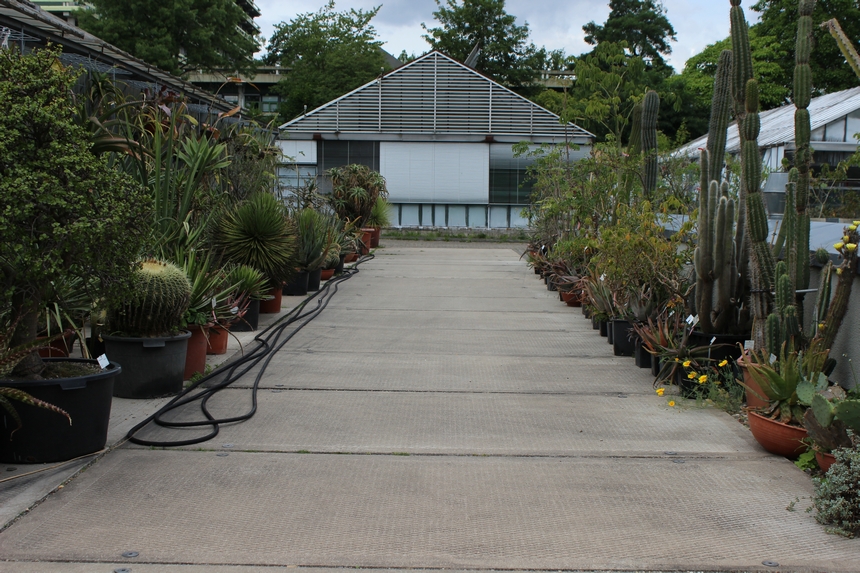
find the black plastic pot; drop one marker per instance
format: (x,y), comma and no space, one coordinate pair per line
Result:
(642,357)
(610,332)
(250,320)
(339,268)
(621,343)
(46,436)
(298,286)
(603,327)
(314,280)
(151,367)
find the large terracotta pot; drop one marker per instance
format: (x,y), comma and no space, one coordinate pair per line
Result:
(326,274)
(571,298)
(218,336)
(367,235)
(776,437)
(374,237)
(195,356)
(272,305)
(824,460)
(59,348)
(756,398)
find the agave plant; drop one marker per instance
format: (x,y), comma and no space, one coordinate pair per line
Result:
(248,284)
(316,235)
(259,234)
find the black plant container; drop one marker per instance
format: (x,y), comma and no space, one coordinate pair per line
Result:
(610,332)
(298,286)
(621,343)
(151,367)
(604,328)
(250,321)
(46,436)
(314,280)
(642,357)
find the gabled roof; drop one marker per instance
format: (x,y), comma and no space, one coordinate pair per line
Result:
(436,95)
(777,125)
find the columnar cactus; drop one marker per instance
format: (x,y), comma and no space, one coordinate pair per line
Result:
(746,96)
(160,297)
(847,247)
(650,108)
(783,325)
(719,276)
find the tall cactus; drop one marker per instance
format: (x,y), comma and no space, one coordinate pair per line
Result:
(650,108)
(799,247)
(719,274)
(746,97)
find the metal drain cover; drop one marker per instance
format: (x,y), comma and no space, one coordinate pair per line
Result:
(130,554)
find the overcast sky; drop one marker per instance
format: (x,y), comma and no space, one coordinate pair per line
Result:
(553,23)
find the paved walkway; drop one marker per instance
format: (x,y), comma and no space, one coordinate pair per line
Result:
(444,412)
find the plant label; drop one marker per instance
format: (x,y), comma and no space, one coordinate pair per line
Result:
(103,361)
(234,310)
(772,358)
(714,339)
(748,344)
(214,302)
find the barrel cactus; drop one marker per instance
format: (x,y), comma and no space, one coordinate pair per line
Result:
(161,295)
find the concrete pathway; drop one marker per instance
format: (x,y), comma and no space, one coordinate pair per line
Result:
(444,412)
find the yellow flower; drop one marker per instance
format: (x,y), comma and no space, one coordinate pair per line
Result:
(856,223)
(703,378)
(851,247)
(671,403)
(660,391)
(820,326)
(691,375)
(852,228)
(838,270)
(723,363)
(686,364)
(838,246)
(845,238)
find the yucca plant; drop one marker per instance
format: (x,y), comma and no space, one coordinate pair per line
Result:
(315,237)
(258,233)
(380,214)
(248,284)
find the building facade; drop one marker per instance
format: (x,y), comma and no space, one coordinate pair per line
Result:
(441,134)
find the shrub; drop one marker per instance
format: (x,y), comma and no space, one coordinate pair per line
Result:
(837,495)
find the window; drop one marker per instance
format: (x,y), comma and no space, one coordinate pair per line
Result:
(340,153)
(509,183)
(296,176)
(269,104)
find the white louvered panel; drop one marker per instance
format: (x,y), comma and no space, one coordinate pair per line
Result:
(436,172)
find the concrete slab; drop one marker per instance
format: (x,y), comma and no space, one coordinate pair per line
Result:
(581,425)
(432,512)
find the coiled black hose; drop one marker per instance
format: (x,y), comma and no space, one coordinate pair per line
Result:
(270,341)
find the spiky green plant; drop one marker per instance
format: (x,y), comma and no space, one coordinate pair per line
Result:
(316,235)
(159,299)
(355,189)
(650,109)
(258,233)
(380,214)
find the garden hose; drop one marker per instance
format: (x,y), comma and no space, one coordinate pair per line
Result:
(270,340)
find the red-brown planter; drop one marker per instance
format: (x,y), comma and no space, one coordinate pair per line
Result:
(59,348)
(195,356)
(272,305)
(374,237)
(571,298)
(351,258)
(326,274)
(218,336)
(776,437)
(824,460)
(366,237)
(752,389)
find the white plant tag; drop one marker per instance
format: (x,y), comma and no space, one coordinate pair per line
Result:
(748,344)
(714,339)
(214,302)
(234,310)
(690,319)
(103,361)
(772,358)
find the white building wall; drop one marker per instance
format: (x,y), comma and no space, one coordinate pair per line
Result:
(436,172)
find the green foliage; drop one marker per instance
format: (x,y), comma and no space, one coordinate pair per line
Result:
(324,55)
(380,214)
(779,21)
(64,212)
(315,234)
(505,55)
(837,498)
(259,234)
(207,32)
(157,303)
(650,108)
(642,24)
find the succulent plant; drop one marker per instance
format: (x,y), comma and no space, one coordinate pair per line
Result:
(160,297)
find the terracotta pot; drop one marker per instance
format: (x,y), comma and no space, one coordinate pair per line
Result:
(374,237)
(195,356)
(326,274)
(571,298)
(366,239)
(753,390)
(60,348)
(351,258)
(272,305)
(776,437)
(218,337)
(824,460)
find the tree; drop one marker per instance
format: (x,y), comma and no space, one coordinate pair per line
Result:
(829,71)
(175,35)
(640,23)
(505,56)
(327,54)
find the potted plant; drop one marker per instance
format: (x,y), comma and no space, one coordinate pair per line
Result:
(240,311)
(833,421)
(380,216)
(315,237)
(64,212)
(258,233)
(145,332)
